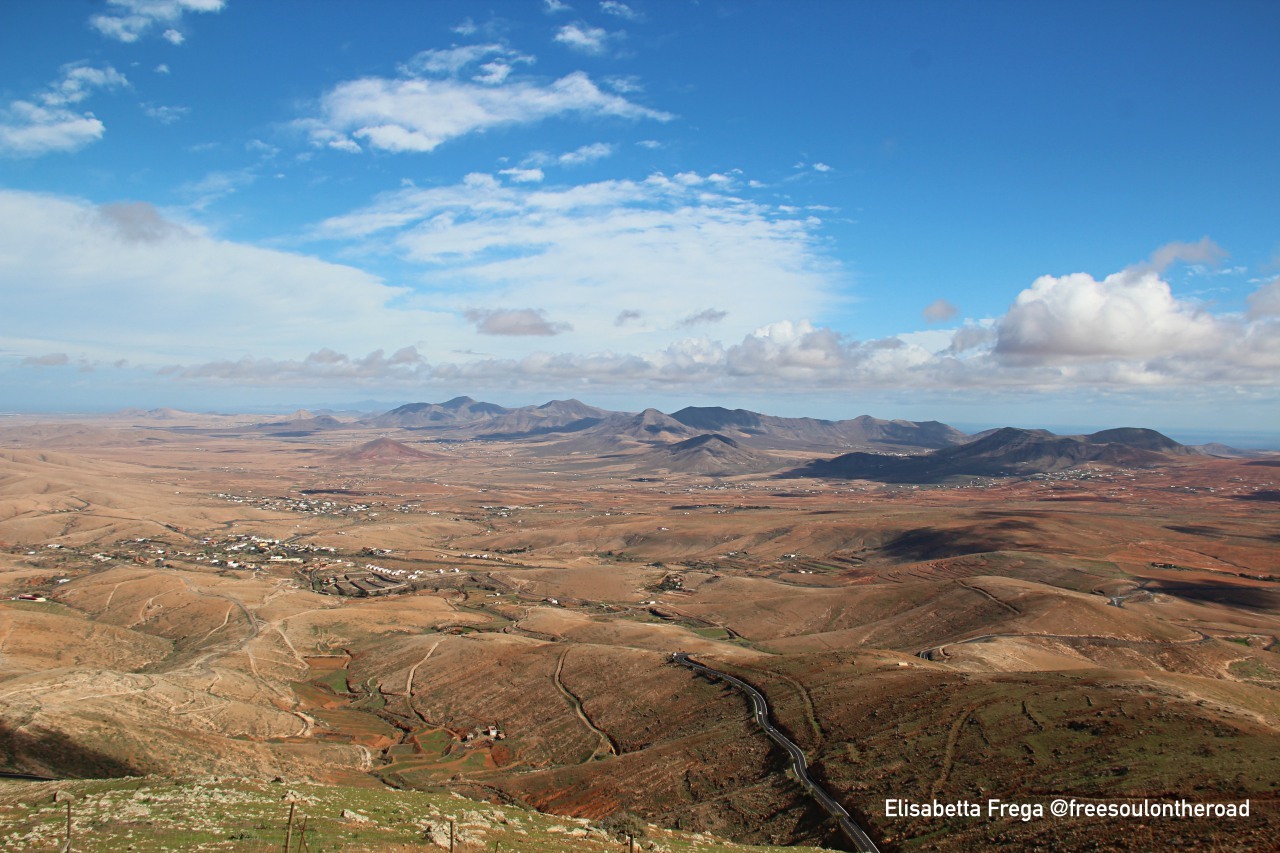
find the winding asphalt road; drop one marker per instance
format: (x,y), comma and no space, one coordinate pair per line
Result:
(760,707)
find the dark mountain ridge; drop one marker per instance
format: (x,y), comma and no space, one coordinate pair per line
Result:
(1005,452)
(778,432)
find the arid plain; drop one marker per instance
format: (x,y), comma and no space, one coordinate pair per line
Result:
(366,604)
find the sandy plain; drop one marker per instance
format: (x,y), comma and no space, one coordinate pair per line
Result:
(1106,634)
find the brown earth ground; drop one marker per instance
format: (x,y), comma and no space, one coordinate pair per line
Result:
(1108,635)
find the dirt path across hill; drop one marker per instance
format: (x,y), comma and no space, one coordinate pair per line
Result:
(975,588)
(408,682)
(949,754)
(927,654)
(606,742)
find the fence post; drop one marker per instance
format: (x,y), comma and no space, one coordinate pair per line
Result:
(288,833)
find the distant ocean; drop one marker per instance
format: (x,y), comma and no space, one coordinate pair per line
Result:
(1244,440)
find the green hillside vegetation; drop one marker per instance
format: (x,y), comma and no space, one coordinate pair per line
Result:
(150,815)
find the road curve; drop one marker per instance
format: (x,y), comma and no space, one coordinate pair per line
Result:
(760,708)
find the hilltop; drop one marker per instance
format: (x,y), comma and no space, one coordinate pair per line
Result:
(712,454)
(383,450)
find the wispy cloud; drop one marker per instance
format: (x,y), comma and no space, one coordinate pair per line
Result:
(78,81)
(445,94)
(28,130)
(322,366)
(51,120)
(125,281)
(216,186)
(454,61)
(165,114)
(710,315)
(619,10)
(586,154)
(939,311)
(628,85)
(519,322)
(590,251)
(129,20)
(583,38)
(523,176)
(1203,251)
(53,359)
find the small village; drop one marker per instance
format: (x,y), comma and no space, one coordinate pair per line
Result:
(316,506)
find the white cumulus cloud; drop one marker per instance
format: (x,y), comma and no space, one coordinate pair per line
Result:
(1126,315)
(1130,329)
(129,20)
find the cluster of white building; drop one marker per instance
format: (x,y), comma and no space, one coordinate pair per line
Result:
(394,575)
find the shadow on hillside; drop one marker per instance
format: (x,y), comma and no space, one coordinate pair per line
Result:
(928,543)
(1235,595)
(1272,495)
(1195,529)
(48,753)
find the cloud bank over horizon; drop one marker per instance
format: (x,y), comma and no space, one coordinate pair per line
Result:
(118,281)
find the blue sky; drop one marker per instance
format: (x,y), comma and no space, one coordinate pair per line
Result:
(1033,213)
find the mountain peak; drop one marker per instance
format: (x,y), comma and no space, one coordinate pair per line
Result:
(707,439)
(457,403)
